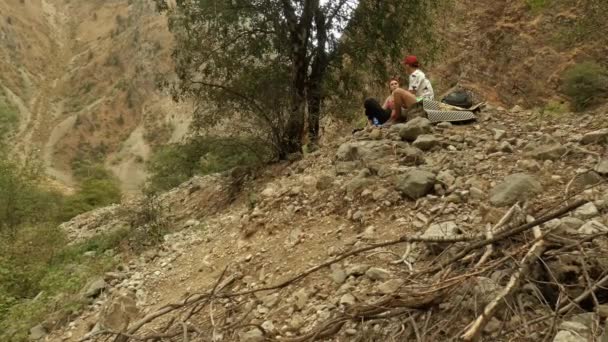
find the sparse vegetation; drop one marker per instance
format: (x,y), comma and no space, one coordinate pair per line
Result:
(538,5)
(9,119)
(174,164)
(585,83)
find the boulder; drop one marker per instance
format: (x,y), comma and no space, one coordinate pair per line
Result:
(416,183)
(514,188)
(426,142)
(414,128)
(366,150)
(410,156)
(595,137)
(253,335)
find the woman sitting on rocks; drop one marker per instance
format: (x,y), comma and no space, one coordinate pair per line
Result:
(378,115)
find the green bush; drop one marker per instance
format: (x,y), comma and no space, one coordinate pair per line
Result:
(585,83)
(174,164)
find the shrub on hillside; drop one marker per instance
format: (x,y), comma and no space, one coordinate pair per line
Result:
(174,164)
(585,83)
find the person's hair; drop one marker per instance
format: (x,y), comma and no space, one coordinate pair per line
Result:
(396,79)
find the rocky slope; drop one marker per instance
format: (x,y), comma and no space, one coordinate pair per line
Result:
(231,270)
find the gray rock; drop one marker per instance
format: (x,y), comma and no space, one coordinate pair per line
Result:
(446,177)
(505,147)
(38,332)
(95,287)
(499,134)
(337,274)
(357,184)
(376,273)
(528,164)
(567,336)
(443,229)
(416,183)
(570,224)
(592,227)
(548,152)
(253,335)
(348,299)
(324,182)
(357,270)
(426,142)
(514,188)
(415,127)
(444,125)
(602,167)
(366,150)
(300,299)
(586,211)
(118,313)
(410,156)
(574,326)
(344,168)
(586,179)
(390,286)
(595,137)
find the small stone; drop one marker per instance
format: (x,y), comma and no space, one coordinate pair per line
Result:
(376,273)
(602,167)
(90,254)
(269,192)
(268,326)
(586,211)
(592,227)
(253,335)
(443,229)
(477,193)
(416,183)
(574,326)
(347,299)
(426,142)
(595,137)
(505,147)
(95,288)
(337,274)
(528,165)
(444,125)
(514,188)
(390,286)
(499,134)
(300,299)
(38,332)
(548,152)
(567,336)
(375,134)
(357,270)
(351,332)
(570,224)
(602,310)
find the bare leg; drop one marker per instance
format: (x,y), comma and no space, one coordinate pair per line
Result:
(403,99)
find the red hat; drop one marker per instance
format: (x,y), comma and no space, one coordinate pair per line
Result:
(410,60)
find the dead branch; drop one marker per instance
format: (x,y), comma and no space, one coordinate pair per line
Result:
(501,235)
(488,312)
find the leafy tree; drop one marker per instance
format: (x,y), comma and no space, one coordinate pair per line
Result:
(268,62)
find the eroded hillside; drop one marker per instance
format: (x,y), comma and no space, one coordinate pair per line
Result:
(82,75)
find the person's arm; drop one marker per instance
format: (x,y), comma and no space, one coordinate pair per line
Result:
(388,99)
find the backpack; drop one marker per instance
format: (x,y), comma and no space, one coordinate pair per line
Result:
(459,98)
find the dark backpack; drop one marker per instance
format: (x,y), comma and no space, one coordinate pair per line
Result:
(459,98)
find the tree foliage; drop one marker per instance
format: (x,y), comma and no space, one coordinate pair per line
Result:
(268,63)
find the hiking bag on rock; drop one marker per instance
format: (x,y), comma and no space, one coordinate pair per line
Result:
(459,98)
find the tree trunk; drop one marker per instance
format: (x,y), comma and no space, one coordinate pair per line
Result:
(315,82)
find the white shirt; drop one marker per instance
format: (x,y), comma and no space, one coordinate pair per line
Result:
(421,85)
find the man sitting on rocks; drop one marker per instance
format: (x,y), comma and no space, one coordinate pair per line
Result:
(419,89)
